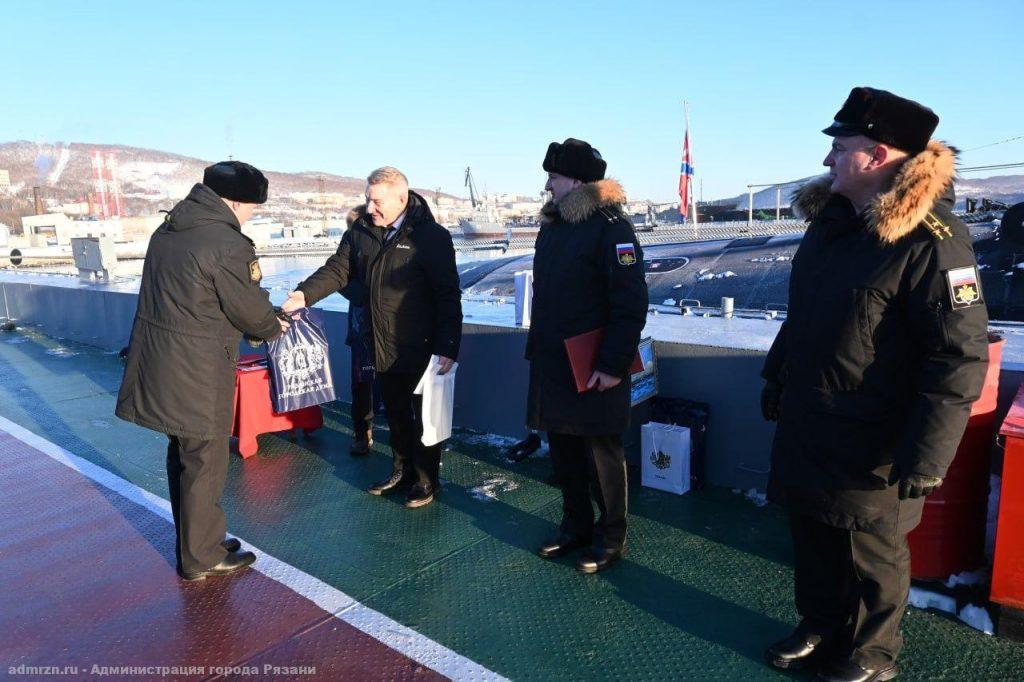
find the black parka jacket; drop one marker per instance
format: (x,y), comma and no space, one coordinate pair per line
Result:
(409,286)
(199,294)
(883,351)
(588,273)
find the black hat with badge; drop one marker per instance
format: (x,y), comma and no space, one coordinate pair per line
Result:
(237,181)
(886,118)
(575,159)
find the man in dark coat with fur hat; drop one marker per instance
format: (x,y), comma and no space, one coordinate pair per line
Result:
(200,293)
(405,263)
(588,274)
(871,378)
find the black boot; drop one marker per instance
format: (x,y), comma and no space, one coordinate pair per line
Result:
(795,651)
(561,543)
(848,671)
(396,480)
(420,495)
(361,444)
(598,559)
(234,561)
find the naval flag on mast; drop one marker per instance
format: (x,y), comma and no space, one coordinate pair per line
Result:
(685,174)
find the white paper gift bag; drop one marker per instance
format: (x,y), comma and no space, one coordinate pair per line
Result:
(665,456)
(438,402)
(524,297)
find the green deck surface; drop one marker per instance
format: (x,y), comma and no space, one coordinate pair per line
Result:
(705,587)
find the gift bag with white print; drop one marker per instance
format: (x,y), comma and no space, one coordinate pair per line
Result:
(300,370)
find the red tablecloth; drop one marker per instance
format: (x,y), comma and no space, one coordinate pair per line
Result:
(254,413)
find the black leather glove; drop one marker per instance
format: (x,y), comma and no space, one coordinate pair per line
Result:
(770,396)
(917,485)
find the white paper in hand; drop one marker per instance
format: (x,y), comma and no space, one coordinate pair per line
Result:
(438,401)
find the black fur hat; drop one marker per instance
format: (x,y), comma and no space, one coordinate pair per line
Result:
(237,181)
(885,117)
(575,159)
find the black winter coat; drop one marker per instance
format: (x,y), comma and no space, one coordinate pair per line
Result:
(883,351)
(588,273)
(410,284)
(199,294)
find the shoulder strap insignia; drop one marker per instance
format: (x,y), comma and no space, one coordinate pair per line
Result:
(609,213)
(939,229)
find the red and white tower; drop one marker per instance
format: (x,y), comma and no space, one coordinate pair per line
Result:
(114,185)
(106,182)
(99,183)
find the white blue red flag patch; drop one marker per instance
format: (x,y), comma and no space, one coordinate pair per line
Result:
(964,288)
(626,253)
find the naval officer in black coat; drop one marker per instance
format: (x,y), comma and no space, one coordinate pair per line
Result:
(588,274)
(200,293)
(871,378)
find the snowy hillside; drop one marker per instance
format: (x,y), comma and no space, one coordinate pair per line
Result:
(150,179)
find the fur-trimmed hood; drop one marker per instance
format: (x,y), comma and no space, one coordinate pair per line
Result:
(895,213)
(584,201)
(355,214)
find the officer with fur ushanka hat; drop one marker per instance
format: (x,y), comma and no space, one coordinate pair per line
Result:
(588,275)
(871,378)
(200,292)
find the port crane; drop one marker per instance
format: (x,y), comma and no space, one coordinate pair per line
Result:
(472,188)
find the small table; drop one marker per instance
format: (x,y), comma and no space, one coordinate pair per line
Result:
(254,413)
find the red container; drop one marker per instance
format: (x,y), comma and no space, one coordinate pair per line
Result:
(951,536)
(1008,565)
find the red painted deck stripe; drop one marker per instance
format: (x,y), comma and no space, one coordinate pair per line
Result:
(88,579)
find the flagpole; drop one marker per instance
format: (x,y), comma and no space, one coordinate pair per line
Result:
(693,195)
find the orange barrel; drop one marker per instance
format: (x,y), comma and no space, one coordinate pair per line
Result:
(951,536)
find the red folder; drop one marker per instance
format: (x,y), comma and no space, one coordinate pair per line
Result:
(583,350)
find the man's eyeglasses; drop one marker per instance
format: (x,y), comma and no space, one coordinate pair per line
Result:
(837,148)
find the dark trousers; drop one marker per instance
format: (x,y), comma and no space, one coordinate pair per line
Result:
(404,413)
(586,465)
(362,404)
(196,471)
(852,585)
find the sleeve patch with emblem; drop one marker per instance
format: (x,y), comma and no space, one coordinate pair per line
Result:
(626,254)
(255,274)
(964,287)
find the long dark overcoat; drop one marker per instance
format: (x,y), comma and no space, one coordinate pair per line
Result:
(588,273)
(200,292)
(883,351)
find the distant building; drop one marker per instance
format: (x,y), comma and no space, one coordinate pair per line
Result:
(79,208)
(317,225)
(525,207)
(41,230)
(262,230)
(56,228)
(140,228)
(5,181)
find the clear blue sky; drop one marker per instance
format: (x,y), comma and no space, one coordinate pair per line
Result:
(432,87)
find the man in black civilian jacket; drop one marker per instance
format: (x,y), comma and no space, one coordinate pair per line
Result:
(406,262)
